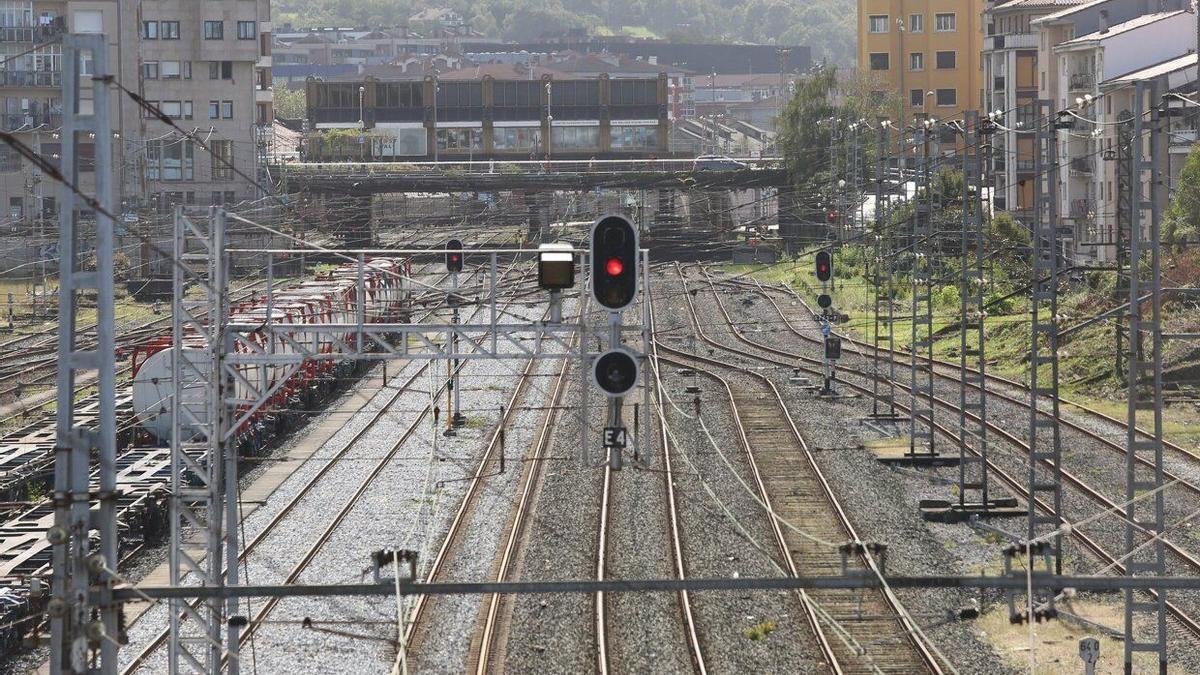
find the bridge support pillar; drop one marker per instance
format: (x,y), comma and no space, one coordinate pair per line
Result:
(354,221)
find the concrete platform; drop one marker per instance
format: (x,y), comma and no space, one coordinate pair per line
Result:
(895,451)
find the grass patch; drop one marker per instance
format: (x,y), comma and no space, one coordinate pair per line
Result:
(760,631)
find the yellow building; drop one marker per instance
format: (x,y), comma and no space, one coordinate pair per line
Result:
(926,51)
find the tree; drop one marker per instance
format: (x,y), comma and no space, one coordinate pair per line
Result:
(1183,217)
(290,104)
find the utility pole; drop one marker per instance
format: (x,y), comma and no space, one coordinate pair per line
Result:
(1144,517)
(921,439)
(1124,213)
(972,401)
(883,279)
(78,624)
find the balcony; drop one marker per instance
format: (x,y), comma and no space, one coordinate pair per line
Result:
(1182,140)
(30,78)
(28,121)
(33,33)
(1081,82)
(1082,166)
(1083,209)
(1011,41)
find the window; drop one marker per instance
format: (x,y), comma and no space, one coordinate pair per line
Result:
(879,61)
(634,137)
(222,158)
(215,30)
(89,21)
(227,110)
(946,60)
(916,98)
(916,23)
(458,139)
(246,30)
(149,30)
(171,70)
(877,23)
(150,70)
(214,110)
(220,70)
(168,30)
(10,161)
(523,138)
(945,23)
(947,97)
(169,160)
(565,138)
(172,109)
(15,13)
(916,61)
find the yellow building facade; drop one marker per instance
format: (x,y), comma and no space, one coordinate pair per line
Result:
(927,52)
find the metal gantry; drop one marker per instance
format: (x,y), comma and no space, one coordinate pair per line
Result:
(1144,550)
(1045,442)
(921,404)
(83,615)
(972,401)
(883,336)
(203,460)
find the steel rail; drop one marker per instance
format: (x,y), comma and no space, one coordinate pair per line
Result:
(271,525)
(1017,486)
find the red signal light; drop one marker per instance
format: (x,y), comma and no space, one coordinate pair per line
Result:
(614,267)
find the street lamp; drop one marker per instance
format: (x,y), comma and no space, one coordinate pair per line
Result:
(549,121)
(362,125)
(362,91)
(436,87)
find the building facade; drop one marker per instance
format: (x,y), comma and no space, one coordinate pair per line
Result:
(926,51)
(1010,83)
(205,64)
(473,114)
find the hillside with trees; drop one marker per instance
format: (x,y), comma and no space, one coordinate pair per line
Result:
(825,25)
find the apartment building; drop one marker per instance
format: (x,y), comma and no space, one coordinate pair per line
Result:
(205,64)
(927,51)
(1010,77)
(1082,51)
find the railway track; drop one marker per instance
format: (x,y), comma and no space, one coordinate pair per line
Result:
(809,524)
(1181,615)
(274,526)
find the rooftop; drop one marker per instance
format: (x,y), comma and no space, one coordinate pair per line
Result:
(1118,29)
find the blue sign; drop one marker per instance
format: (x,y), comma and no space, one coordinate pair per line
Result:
(825,329)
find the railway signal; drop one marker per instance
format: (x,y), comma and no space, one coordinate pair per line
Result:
(615,372)
(614,263)
(824,266)
(454,256)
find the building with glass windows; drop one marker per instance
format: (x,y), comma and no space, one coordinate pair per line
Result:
(490,111)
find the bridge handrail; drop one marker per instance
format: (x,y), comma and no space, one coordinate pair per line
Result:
(532,166)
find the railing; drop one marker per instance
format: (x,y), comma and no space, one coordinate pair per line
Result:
(1081,81)
(1081,166)
(18,121)
(30,78)
(38,33)
(1183,136)
(1084,209)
